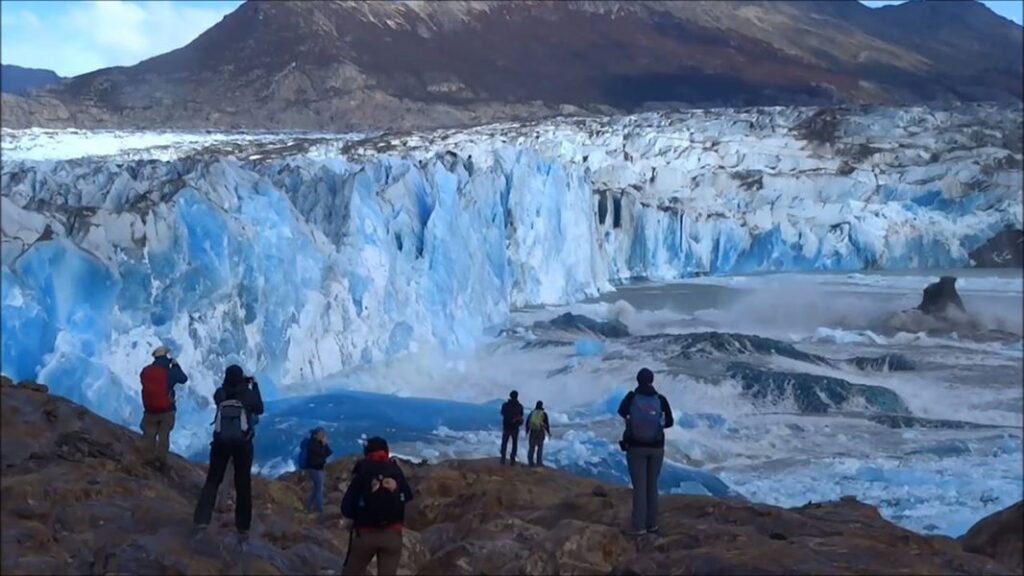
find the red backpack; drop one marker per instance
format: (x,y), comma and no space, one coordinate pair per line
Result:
(156,395)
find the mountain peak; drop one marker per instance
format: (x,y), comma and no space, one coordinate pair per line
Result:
(352,65)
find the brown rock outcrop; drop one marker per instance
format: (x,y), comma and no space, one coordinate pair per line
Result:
(1001,536)
(77,499)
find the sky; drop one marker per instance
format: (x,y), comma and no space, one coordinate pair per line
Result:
(79,36)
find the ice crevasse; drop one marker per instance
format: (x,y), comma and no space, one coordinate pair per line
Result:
(304,263)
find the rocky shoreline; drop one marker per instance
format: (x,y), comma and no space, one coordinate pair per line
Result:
(77,499)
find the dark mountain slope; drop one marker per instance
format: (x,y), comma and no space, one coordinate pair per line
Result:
(350,65)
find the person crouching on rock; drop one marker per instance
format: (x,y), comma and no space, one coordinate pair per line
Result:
(537,428)
(158,382)
(375,502)
(511,420)
(239,405)
(317,453)
(647,414)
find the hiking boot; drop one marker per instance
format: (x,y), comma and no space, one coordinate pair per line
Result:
(634,533)
(243,539)
(502,461)
(654,530)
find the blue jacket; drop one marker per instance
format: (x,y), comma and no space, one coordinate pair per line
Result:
(175,375)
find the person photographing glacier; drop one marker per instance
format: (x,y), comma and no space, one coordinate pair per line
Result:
(239,405)
(158,380)
(313,454)
(646,414)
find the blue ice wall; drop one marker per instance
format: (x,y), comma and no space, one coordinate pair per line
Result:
(299,268)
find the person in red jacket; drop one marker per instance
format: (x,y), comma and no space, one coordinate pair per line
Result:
(158,381)
(375,502)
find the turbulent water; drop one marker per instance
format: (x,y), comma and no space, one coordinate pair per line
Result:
(403,284)
(933,439)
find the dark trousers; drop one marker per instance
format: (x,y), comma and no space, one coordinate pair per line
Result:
(240,455)
(506,434)
(644,468)
(386,545)
(535,452)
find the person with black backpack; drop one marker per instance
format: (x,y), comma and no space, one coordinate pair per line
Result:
(314,453)
(239,405)
(647,414)
(511,420)
(375,502)
(158,381)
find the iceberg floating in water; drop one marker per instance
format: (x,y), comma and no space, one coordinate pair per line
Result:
(337,256)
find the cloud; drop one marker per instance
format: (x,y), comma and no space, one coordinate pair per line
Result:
(79,37)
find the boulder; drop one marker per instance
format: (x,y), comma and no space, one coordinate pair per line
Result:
(940,296)
(812,393)
(999,536)
(570,322)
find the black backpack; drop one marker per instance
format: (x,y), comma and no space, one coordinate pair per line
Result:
(377,506)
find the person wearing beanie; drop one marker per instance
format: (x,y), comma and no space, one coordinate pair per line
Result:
(239,405)
(158,380)
(511,420)
(646,414)
(375,502)
(537,429)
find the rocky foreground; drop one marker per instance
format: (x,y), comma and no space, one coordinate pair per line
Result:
(76,499)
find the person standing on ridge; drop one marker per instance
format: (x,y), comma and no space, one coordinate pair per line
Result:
(647,414)
(537,428)
(375,502)
(511,420)
(316,451)
(239,405)
(158,381)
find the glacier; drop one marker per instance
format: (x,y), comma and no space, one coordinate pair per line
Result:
(300,256)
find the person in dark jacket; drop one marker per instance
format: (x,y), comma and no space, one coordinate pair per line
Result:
(239,405)
(316,458)
(647,414)
(511,420)
(157,422)
(375,502)
(537,428)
